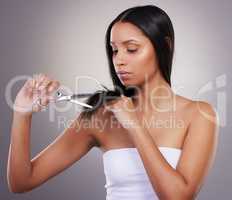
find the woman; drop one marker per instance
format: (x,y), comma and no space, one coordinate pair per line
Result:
(156,144)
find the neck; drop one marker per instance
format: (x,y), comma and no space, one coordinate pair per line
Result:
(154,95)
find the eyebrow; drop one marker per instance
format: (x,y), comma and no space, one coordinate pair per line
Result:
(125,42)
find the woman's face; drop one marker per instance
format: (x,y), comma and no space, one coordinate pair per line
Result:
(133,52)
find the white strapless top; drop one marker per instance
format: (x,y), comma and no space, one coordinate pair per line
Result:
(126,177)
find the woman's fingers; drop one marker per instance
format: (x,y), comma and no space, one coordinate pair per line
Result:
(36,93)
(44,101)
(53,86)
(44,87)
(47,92)
(44,84)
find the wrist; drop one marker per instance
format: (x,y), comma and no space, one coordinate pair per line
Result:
(136,128)
(20,110)
(22,114)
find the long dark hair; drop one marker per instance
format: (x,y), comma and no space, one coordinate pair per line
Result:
(156,26)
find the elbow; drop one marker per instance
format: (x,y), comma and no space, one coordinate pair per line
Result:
(183,195)
(190,195)
(12,185)
(176,193)
(182,190)
(19,184)
(178,196)
(17,188)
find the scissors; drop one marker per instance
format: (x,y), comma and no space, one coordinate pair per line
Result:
(73,98)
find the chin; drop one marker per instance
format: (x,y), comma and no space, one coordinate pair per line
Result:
(130,83)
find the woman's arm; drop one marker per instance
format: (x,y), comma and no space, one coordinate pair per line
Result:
(19,166)
(25,174)
(196,159)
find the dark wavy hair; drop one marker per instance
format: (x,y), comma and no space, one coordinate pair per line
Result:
(157,27)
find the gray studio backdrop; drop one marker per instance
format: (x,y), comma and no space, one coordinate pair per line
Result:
(65,39)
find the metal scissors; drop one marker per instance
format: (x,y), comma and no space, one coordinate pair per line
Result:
(73,98)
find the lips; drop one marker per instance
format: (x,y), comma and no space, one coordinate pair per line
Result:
(124,75)
(123,72)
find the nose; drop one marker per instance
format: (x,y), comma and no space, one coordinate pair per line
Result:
(119,63)
(119,59)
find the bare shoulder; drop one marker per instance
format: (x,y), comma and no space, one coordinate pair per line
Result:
(196,108)
(201,118)
(204,111)
(183,103)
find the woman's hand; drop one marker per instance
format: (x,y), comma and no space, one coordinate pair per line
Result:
(125,112)
(35,94)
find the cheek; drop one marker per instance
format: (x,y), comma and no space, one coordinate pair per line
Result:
(145,62)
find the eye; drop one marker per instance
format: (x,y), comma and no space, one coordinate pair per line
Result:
(131,50)
(114,51)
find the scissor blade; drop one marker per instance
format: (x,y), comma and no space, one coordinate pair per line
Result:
(82,95)
(81,103)
(64,98)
